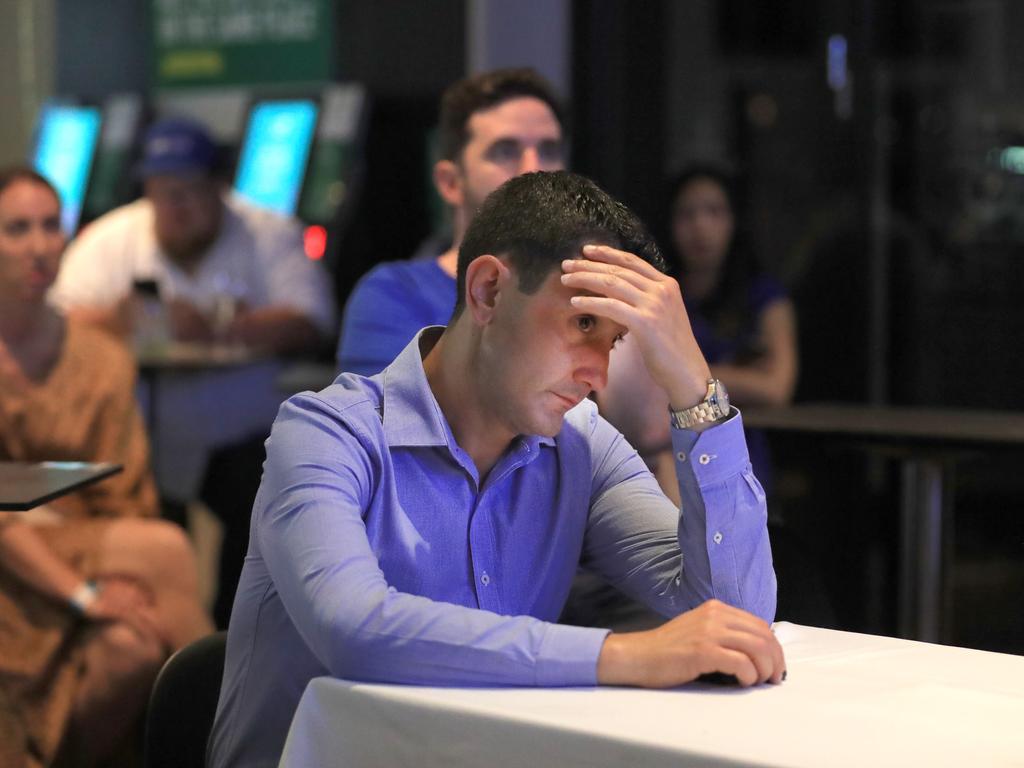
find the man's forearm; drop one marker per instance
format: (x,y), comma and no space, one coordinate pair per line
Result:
(114,319)
(280,330)
(722,529)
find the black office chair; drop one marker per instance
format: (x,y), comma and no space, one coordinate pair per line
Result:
(183,704)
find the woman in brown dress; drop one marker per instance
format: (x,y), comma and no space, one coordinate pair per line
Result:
(94,593)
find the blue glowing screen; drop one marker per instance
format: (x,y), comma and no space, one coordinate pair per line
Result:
(274,153)
(65,145)
(837,67)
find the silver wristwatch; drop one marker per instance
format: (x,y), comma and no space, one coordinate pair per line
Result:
(713,407)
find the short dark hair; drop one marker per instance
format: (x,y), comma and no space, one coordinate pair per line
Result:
(538,219)
(479,92)
(15,173)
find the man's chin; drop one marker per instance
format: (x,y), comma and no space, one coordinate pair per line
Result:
(186,252)
(549,425)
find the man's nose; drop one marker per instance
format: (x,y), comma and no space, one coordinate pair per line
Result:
(592,370)
(704,221)
(39,241)
(529,161)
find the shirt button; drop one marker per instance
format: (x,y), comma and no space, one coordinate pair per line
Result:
(681,456)
(704,458)
(485,579)
(717,538)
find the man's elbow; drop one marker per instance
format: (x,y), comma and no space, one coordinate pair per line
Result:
(780,390)
(780,395)
(358,643)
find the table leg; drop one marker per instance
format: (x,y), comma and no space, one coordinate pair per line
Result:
(921,554)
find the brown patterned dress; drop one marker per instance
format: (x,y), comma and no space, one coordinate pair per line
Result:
(84,410)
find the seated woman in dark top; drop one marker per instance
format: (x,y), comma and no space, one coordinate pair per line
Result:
(745,325)
(742,319)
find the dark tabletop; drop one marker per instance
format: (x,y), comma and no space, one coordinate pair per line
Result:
(938,426)
(188,356)
(24,485)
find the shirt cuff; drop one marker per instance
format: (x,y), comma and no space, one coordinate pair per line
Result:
(713,455)
(568,656)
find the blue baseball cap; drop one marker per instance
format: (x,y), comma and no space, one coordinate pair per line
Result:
(176,145)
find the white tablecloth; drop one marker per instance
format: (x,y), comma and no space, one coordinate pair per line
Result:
(849,700)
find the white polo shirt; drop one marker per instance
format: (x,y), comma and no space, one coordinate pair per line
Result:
(258,258)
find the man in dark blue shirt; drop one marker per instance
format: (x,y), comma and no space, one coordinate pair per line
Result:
(493,126)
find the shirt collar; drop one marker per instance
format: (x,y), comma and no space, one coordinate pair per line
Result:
(412,416)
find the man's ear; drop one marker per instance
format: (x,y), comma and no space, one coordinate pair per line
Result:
(487,277)
(448,182)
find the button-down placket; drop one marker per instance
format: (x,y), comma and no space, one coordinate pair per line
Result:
(484,555)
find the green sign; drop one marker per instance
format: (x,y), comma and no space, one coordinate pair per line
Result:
(241,42)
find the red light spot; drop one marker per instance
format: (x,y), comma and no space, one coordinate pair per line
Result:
(314,241)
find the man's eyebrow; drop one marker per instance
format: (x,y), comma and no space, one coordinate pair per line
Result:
(512,139)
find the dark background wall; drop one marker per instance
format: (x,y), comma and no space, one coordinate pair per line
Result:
(406,52)
(102,47)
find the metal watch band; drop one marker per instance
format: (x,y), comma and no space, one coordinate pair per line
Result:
(706,410)
(698,414)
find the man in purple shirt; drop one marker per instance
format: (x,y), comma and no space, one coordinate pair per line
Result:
(423,526)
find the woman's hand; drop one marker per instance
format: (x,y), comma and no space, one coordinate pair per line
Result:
(123,599)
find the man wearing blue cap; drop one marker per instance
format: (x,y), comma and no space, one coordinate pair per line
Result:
(224,271)
(186,230)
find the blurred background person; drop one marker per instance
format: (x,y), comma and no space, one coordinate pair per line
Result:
(492,126)
(93,596)
(202,246)
(745,325)
(742,318)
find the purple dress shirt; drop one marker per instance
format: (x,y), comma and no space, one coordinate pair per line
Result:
(377,554)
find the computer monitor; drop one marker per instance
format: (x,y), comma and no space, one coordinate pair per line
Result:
(66,139)
(275,151)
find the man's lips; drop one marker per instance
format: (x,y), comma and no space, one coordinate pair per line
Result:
(570,402)
(38,277)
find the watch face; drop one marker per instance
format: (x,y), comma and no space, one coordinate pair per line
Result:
(721,397)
